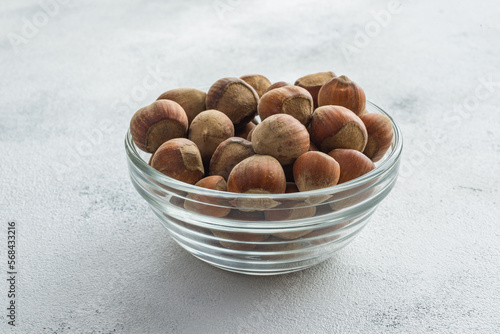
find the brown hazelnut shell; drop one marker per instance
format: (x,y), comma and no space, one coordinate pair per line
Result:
(258,82)
(314,82)
(215,182)
(180,159)
(334,127)
(156,123)
(292,100)
(258,174)
(353,164)
(277,85)
(341,91)
(208,129)
(380,133)
(235,98)
(228,154)
(192,100)
(281,136)
(315,170)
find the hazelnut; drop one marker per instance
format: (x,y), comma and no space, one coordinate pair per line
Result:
(208,130)
(180,159)
(380,132)
(342,91)
(315,170)
(292,100)
(191,100)
(314,82)
(153,125)
(239,240)
(244,131)
(258,82)
(281,136)
(202,203)
(337,127)
(235,98)
(228,154)
(258,174)
(277,85)
(352,163)
(325,235)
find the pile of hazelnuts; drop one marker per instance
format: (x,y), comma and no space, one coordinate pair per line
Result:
(314,134)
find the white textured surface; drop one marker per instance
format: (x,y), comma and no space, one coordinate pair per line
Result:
(94,259)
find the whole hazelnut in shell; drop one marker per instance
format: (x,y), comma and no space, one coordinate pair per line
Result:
(281,136)
(180,159)
(156,123)
(292,100)
(228,154)
(208,129)
(205,204)
(258,82)
(353,164)
(235,98)
(314,82)
(192,100)
(315,170)
(258,174)
(341,91)
(380,133)
(277,85)
(337,127)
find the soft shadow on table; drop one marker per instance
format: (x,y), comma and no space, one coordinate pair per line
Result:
(188,295)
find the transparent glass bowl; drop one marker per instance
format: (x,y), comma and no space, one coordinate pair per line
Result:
(264,234)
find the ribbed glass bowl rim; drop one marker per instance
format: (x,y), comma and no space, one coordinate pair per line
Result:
(167,181)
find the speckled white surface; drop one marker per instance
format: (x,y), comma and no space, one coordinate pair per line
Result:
(94,259)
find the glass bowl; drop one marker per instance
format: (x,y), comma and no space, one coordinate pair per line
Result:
(264,234)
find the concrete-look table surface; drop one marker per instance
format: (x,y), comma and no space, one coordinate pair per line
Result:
(93,258)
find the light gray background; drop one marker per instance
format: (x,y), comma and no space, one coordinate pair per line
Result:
(94,259)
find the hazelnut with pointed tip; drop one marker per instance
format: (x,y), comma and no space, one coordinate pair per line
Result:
(341,91)
(192,100)
(337,127)
(281,136)
(315,170)
(156,123)
(380,133)
(258,174)
(208,129)
(180,159)
(258,82)
(235,98)
(205,204)
(291,100)
(314,82)
(277,85)
(228,154)
(353,164)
